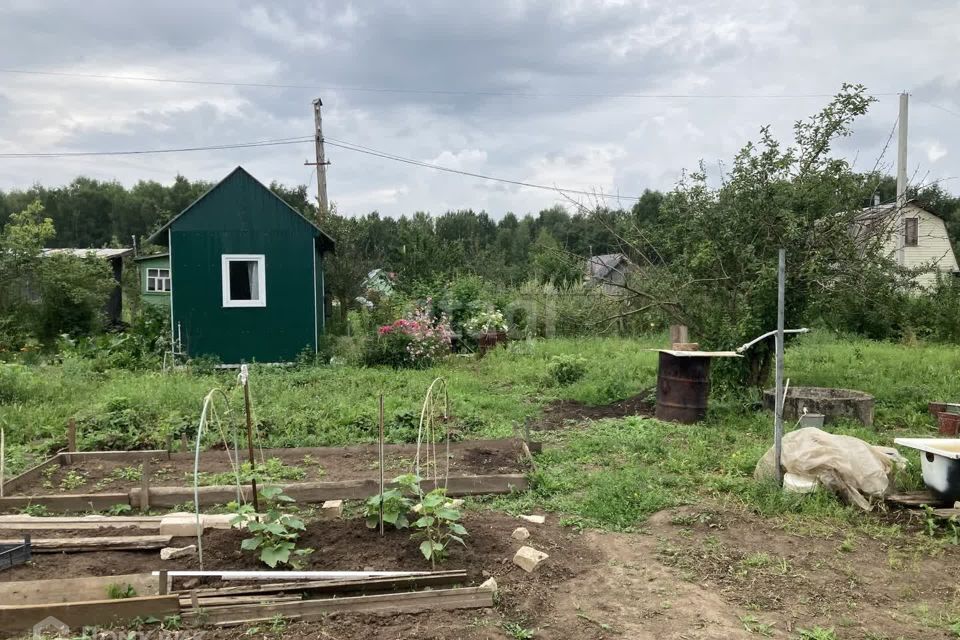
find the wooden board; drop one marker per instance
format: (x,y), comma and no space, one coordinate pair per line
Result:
(107,543)
(367,585)
(30,475)
(77,523)
(131,456)
(73,589)
(916,499)
(16,618)
(307,492)
(186,601)
(78,502)
(387,603)
(946,513)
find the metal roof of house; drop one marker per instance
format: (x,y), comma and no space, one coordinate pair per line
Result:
(151,255)
(81,253)
(158,234)
(599,267)
(883,210)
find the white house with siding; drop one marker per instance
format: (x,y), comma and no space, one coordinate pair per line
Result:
(912,236)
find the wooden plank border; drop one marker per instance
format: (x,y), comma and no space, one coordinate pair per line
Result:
(62,590)
(75,615)
(131,456)
(79,502)
(305,492)
(311,492)
(105,543)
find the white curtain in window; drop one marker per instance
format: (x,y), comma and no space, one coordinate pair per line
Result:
(253,276)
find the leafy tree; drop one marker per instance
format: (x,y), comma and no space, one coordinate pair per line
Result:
(46,296)
(722,242)
(21,241)
(550,262)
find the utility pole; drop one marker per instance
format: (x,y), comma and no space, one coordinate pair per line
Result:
(901,174)
(321,162)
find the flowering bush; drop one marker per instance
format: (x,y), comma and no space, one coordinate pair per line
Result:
(486,322)
(417,340)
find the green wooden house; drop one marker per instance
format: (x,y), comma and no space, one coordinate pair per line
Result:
(154,279)
(243,275)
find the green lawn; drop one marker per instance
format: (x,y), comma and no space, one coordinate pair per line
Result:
(613,474)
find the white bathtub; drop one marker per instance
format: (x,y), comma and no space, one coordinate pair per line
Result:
(940,463)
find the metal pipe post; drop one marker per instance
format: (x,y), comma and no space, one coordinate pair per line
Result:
(778,405)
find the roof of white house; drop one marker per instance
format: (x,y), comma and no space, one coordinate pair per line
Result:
(81,253)
(887,209)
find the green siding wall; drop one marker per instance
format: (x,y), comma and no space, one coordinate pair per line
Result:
(242,216)
(159,298)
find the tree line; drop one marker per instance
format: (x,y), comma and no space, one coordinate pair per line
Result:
(707,252)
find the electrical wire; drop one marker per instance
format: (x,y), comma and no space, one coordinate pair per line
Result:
(938,106)
(238,145)
(342,144)
(427,91)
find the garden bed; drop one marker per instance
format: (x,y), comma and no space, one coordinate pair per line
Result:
(93,474)
(565,414)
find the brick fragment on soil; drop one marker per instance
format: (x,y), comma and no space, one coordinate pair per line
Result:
(171,553)
(534,519)
(528,558)
(520,533)
(331,509)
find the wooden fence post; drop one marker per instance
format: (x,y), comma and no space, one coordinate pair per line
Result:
(145,487)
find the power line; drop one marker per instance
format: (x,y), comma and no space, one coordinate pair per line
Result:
(238,145)
(342,144)
(937,106)
(427,91)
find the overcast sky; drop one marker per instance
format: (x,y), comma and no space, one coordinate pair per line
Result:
(531,91)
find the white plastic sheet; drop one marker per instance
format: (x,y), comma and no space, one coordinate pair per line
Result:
(846,465)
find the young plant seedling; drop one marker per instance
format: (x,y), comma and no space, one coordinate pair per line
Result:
(275,534)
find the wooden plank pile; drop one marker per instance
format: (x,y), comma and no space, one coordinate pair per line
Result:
(30,602)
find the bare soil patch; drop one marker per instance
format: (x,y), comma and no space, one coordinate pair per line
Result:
(359,462)
(697,573)
(566,414)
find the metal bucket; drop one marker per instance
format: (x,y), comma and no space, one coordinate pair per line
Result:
(683,387)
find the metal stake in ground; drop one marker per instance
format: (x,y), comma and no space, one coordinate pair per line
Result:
(244,380)
(778,405)
(381,465)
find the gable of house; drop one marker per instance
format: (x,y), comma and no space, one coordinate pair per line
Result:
(246,272)
(913,237)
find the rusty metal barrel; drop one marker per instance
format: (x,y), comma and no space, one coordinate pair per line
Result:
(683,388)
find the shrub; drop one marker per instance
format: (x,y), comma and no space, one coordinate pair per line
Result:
(416,341)
(490,321)
(566,369)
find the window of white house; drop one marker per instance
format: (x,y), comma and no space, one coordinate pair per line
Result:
(911,232)
(158,280)
(244,281)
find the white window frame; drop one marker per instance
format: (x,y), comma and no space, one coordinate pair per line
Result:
(158,280)
(261,261)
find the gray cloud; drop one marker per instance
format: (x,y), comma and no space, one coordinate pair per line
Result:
(558,51)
